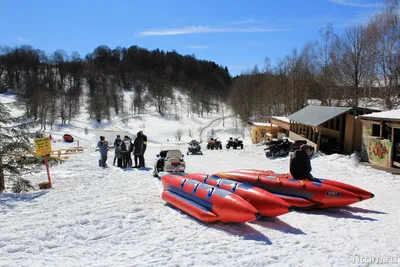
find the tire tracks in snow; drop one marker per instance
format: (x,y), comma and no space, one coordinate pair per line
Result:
(211,123)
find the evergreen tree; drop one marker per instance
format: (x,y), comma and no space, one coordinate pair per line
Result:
(16,152)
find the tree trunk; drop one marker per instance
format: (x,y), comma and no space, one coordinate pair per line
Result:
(2,180)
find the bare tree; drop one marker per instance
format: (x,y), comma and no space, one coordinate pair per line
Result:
(326,71)
(385,33)
(178,134)
(355,61)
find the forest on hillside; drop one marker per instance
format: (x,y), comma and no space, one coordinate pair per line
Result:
(361,64)
(52,86)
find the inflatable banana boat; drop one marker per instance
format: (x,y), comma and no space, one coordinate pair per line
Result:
(266,203)
(319,195)
(205,202)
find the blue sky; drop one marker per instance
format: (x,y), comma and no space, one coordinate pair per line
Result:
(233,33)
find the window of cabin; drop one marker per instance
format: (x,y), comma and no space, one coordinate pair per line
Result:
(376,129)
(386,132)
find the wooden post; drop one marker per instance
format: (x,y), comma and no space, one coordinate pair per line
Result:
(319,138)
(381,130)
(393,150)
(330,124)
(340,132)
(59,154)
(335,124)
(48,171)
(314,134)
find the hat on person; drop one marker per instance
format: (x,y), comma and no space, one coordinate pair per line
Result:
(305,147)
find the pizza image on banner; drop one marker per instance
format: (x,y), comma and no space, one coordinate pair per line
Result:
(42,146)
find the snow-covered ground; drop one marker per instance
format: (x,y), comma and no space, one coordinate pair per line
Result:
(110,217)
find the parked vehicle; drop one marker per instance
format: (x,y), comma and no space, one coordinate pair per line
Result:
(282,147)
(234,143)
(214,143)
(194,148)
(170,159)
(68,138)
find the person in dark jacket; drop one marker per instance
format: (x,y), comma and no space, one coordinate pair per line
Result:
(117,148)
(300,165)
(126,148)
(143,165)
(139,148)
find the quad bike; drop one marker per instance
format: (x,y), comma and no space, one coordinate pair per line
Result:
(235,143)
(194,148)
(214,144)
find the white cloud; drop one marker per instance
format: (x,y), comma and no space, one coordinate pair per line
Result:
(21,39)
(202,29)
(197,47)
(354,3)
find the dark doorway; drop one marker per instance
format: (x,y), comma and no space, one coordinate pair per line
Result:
(396,148)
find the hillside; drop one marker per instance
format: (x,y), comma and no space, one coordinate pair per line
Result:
(110,217)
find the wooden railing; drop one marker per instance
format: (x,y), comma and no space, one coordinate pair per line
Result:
(62,153)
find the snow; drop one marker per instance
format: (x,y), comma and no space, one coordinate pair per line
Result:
(110,217)
(387,115)
(284,119)
(260,124)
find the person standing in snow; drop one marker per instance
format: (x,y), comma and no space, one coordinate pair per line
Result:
(300,164)
(126,148)
(117,148)
(143,165)
(139,149)
(103,148)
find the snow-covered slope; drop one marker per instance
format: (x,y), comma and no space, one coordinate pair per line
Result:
(110,217)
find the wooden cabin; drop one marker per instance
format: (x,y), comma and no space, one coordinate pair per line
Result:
(329,129)
(261,131)
(282,123)
(381,138)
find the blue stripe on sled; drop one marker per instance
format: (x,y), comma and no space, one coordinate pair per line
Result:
(232,183)
(191,202)
(201,203)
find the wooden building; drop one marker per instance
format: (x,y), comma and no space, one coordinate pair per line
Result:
(381,138)
(329,129)
(282,124)
(261,131)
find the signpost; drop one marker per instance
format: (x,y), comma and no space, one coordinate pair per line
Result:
(43,148)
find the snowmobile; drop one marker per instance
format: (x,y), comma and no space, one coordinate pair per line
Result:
(296,145)
(194,148)
(278,148)
(170,159)
(235,143)
(214,143)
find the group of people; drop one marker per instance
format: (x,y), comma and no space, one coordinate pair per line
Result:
(123,149)
(300,165)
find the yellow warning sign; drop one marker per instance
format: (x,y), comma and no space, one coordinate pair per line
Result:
(42,146)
